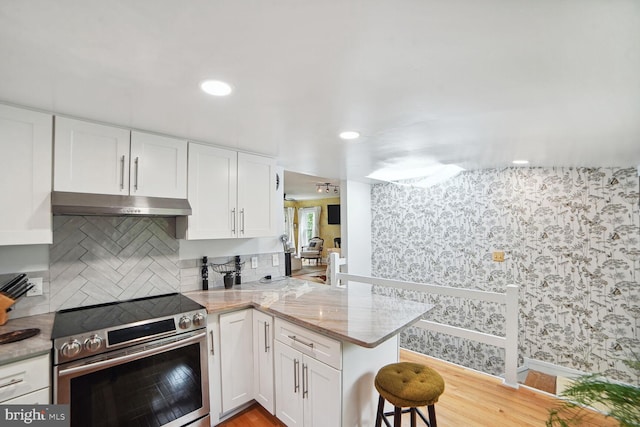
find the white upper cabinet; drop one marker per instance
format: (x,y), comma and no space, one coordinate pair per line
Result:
(101,159)
(256,189)
(90,158)
(25,176)
(158,166)
(231,194)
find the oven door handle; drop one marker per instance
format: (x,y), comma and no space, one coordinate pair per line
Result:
(118,360)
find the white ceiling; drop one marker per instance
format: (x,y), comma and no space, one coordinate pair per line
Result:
(477,83)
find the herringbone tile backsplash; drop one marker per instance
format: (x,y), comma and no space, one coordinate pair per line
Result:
(97,259)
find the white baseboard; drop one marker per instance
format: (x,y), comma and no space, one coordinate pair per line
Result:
(551,369)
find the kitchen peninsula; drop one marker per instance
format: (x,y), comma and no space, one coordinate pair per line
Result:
(314,349)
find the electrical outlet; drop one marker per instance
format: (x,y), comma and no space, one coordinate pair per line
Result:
(498,256)
(254,262)
(276,260)
(37,287)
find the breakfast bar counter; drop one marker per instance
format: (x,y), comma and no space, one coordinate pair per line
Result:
(365,320)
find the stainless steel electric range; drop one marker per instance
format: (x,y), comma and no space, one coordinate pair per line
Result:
(141,362)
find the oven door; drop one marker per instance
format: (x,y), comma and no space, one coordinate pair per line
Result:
(163,383)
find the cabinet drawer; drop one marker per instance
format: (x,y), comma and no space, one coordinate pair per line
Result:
(38,397)
(318,346)
(25,376)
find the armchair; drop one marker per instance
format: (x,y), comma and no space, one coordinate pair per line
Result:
(313,250)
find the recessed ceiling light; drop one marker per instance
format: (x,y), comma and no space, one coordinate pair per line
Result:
(349,134)
(520,162)
(216,87)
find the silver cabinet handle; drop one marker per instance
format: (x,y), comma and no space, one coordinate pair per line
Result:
(135,185)
(296,339)
(213,353)
(266,337)
(296,380)
(12,382)
(233,216)
(242,221)
(305,380)
(122,172)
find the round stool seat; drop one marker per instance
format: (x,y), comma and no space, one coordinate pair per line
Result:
(408,384)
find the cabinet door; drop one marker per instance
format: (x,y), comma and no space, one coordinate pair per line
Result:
(212,194)
(158,166)
(321,392)
(90,158)
(289,403)
(263,360)
(215,390)
(236,358)
(25,177)
(256,190)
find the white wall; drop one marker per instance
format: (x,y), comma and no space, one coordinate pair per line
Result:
(356,229)
(22,259)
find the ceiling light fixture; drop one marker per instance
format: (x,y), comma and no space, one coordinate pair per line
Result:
(520,162)
(349,134)
(216,87)
(325,187)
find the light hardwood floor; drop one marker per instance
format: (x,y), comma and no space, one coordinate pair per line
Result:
(470,399)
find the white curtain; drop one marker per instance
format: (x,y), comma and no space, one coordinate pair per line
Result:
(308,225)
(288,227)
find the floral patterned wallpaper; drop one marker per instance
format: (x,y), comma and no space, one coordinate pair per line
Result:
(572,243)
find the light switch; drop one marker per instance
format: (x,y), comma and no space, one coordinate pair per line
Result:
(254,262)
(276,260)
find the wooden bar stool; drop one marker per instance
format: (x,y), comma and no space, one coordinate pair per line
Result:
(408,385)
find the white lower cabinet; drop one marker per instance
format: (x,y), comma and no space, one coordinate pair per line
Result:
(263,360)
(26,381)
(236,358)
(308,392)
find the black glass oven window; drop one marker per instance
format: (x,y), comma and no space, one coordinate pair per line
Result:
(128,334)
(152,391)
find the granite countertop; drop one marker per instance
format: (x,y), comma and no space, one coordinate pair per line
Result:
(363,319)
(30,347)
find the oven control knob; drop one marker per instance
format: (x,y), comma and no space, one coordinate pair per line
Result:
(198,319)
(184,322)
(71,348)
(93,343)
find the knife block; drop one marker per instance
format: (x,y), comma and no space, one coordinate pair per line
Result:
(5,303)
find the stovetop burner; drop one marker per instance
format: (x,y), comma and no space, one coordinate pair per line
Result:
(90,330)
(90,318)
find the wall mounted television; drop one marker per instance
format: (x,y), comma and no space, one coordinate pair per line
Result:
(333,214)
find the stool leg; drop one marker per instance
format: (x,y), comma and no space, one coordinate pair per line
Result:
(432,416)
(413,417)
(380,413)
(397,417)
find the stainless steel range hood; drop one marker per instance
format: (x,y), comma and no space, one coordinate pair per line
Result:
(65,203)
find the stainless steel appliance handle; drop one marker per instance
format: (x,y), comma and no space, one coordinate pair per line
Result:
(12,382)
(266,337)
(135,185)
(296,380)
(213,353)
(122,172)
(295,339)
(128,357)
(242,222)
(305,380)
